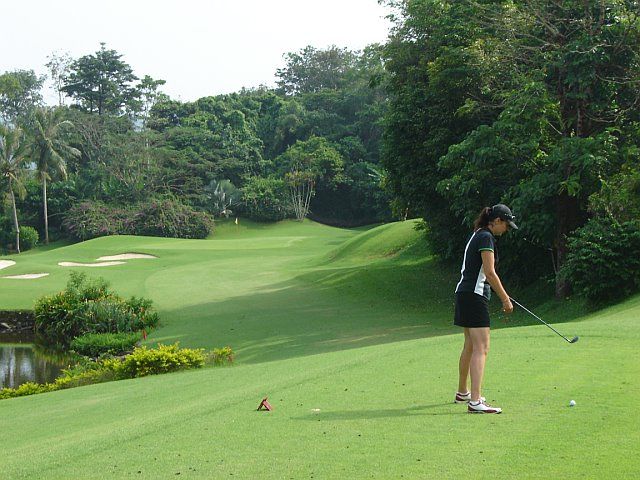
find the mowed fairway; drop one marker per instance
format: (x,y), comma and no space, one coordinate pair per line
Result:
(348,333)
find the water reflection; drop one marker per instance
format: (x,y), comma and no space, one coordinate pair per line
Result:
(21,362)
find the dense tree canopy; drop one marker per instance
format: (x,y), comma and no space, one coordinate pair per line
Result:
(127,144)
(469,103)
(528,103)
(101,83)
(19,95)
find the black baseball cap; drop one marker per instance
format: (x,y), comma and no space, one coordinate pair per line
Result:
(502,211)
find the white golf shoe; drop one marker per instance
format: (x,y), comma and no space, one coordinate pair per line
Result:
(482,407)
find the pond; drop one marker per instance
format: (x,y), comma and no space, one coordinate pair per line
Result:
(23,361)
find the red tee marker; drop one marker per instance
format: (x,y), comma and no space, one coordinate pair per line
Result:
(144,334)
(264,404)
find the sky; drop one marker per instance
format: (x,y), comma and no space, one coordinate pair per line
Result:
(199,47)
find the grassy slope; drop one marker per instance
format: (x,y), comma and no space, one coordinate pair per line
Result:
(296,315)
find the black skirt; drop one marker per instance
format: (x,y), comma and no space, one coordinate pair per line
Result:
(472,310)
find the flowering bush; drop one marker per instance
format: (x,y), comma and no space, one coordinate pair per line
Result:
(88,220)
(158,218)
(170,218)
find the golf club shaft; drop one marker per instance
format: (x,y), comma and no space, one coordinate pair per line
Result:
(530,312)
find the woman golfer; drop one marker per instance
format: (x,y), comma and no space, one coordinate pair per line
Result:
(472,302)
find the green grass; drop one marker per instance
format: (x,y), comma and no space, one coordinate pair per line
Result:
(353,323)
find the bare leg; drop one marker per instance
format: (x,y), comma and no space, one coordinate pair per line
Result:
(465,361)
(480,340)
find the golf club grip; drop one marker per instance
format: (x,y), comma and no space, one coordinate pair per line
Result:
(527,310)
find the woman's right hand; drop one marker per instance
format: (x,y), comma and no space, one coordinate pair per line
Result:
(507,306)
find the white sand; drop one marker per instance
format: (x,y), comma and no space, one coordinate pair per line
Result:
(101,264)
(6,263)
(125,256)
(27,276)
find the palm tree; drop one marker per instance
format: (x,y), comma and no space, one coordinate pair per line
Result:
(49,150)
(12,158)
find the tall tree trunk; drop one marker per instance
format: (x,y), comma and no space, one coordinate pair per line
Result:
(46,213)
(15,217)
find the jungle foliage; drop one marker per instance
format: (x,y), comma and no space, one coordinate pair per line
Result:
(532,104)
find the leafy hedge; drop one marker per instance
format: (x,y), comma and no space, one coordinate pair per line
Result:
(164,359)
(143,361)
(88,306)
(95,345)
(603,263)
(158,218)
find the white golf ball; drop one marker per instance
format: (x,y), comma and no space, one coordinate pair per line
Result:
(572,403)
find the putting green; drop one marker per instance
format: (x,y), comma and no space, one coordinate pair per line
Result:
(348,333)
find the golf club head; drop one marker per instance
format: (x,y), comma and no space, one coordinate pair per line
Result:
(573,340)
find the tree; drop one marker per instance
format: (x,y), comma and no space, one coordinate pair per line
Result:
(222,194)
(59,66)
(12,159)
(19,95)
(265,199)
(587,55)
(48,149)
(305,164)
(149,95)
(301,182)
(101,83)
(312,70)
(528,103)
(436,73)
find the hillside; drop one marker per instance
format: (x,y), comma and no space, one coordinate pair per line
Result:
(348,333)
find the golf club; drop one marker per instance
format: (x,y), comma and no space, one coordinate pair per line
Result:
(573,340)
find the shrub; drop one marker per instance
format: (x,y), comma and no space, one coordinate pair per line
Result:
(29,388)
(96,344)
(603,263)
(28,238)
(158,218)
(141,362)
(220,355)
(84,373)
(91,219)
(264,199)
(55,321)
(88,289)
(170,218)
(166,358)
(89,307)
(104,316)
(142,309)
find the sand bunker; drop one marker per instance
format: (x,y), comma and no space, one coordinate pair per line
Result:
(108,260)
(101,264)
(6,263)
(27,276)
(125,256)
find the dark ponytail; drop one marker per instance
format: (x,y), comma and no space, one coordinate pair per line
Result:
(483,219)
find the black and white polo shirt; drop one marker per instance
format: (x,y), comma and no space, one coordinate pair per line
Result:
(473,278)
